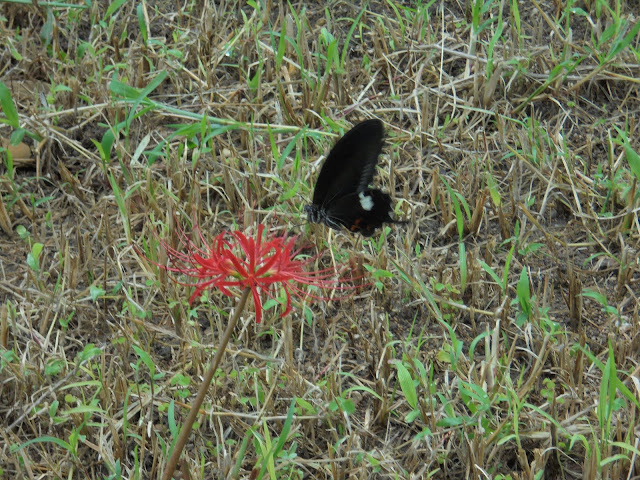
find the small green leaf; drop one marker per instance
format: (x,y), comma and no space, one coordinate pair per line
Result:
(32,263)
(33,258)
(8,108)
(597,296)
(181,380)
(171,419)
(345,405)
(142,23)
(64,322)
(524,293)
(53,408)
(96,292)
(146,359)
(54,367)
(37,249)
(491,272)
(411,416)
(88,352)
(113,7)
(407,385)
(633,158)
(462,255)
(307,407)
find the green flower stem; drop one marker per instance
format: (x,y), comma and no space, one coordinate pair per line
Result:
(197,403)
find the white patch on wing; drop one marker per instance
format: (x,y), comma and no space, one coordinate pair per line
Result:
(366,201)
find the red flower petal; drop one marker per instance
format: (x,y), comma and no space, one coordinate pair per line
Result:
(237,260)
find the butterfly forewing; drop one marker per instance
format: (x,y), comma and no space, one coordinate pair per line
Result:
(351,164)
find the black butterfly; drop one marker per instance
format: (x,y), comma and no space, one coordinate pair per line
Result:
(342,197)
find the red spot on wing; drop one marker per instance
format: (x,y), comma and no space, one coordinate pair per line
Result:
(357,224)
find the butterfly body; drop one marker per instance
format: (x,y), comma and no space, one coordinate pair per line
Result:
(342,197)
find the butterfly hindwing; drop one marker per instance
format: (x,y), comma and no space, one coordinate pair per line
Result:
(349,212)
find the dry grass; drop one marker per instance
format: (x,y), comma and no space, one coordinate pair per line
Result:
(499,336)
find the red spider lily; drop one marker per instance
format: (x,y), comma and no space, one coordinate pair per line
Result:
(237,260)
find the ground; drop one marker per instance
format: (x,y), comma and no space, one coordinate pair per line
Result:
(492,335)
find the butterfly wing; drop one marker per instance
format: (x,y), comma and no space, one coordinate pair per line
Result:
(351,164)
(349,212)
